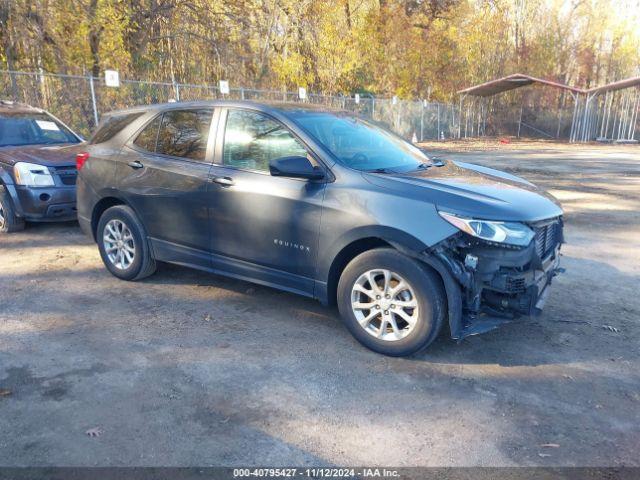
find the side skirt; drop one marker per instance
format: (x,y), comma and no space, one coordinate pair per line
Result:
(230,267)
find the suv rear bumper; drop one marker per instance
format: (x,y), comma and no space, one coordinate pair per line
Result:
(85,226)
(45,204)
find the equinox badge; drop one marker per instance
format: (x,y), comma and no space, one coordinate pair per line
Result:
(287,244)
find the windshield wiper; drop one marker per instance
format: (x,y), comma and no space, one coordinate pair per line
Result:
(380,170)
(437,161)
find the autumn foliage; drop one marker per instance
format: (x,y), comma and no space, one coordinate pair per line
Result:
(413,48)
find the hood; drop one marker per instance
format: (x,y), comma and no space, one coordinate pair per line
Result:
(474,191)
(49,155)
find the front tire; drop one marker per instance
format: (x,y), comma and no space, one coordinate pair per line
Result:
(123,244)
(391,303)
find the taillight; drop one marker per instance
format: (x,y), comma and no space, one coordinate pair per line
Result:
(80,159)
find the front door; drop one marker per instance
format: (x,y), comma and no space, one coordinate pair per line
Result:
(262,227)
(164,173)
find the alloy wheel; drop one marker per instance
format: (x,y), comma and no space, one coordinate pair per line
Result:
(384,304)
(118,244)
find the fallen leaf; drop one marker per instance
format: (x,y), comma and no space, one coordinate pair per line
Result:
(207,317)
(550,445)
(5,392)
(543,455)
(94,432)
(610,328)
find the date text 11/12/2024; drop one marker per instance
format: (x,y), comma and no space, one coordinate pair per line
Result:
(316,472)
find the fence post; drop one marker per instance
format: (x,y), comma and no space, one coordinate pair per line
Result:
(42,89)
(422,122)
(14,85)
(241,93)
(93,100)
(520,122)
(438,131)
(176,89)
(459,117)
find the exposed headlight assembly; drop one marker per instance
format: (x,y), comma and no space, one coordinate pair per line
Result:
(510,233)
(32,175)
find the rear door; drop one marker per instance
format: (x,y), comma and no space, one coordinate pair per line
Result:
(163,172)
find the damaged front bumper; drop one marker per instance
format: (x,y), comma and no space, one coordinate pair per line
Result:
(491,284)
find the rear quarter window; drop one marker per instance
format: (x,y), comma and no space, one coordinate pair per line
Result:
(148,137)
(113,125)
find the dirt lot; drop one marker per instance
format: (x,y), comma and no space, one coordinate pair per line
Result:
(191,369)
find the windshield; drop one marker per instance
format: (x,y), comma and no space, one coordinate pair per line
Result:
(360,144)
(32,129)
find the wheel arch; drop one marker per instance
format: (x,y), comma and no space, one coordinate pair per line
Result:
(100,207)
(342,259)
(5,178)
(7,182)
(407,245)
(353,244)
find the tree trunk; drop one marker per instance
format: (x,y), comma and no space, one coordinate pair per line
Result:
(347,13)
(95,33)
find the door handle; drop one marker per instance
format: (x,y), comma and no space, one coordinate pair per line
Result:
(135,164)
(224,181)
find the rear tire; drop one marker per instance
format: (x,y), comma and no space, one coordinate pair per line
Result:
(391,303)
(123,244)
(9,221)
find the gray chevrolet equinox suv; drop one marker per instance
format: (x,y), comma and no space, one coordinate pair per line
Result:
(323,204)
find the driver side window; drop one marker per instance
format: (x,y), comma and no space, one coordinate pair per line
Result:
(252,139)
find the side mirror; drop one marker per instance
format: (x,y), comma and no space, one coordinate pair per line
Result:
(295,167)
(437,161)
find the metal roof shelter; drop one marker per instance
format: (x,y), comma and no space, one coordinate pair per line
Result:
(609,112)
(620,85)
(511,82)
(477,103)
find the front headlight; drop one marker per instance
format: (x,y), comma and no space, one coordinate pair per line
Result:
(32,175)
(511,233)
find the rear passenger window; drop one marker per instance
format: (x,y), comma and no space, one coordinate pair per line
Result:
(113,125)
(147,138)
(184,133)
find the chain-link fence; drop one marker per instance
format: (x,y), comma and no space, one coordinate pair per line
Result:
(80,100)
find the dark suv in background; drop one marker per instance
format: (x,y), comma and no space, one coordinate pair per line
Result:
(323,204)
(37,167)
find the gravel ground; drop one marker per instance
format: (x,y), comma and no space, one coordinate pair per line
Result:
(188,369)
